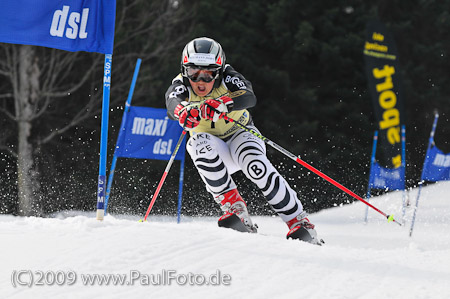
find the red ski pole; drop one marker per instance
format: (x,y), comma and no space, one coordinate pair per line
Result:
(163,178)
(316,171)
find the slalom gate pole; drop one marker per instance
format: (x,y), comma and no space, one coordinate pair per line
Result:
(101,186)
(121,130)
(430,142)
(372,162)
(180,189)
(303,163)
(405,199)
(163,178)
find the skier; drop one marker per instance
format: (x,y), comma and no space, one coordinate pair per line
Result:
(199,98)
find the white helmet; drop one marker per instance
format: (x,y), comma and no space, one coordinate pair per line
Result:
(205,54)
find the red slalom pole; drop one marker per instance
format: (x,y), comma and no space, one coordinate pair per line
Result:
(163,178)
(308,166)
(343,188)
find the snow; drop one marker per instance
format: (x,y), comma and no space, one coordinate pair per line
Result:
(374,260)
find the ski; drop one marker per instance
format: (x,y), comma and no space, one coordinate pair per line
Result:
(232,221)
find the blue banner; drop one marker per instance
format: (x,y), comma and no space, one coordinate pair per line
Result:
(382,178)
(436,166)
(71,25)
(150,134)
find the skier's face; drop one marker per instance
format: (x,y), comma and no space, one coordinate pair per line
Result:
(202,88)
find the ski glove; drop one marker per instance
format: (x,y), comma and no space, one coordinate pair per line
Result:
(188,117)
(215,109)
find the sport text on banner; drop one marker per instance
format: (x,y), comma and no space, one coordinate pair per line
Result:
(383,73)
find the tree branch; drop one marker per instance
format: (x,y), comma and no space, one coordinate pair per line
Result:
(6,95)
(73,88)
(8,114)
(9,150)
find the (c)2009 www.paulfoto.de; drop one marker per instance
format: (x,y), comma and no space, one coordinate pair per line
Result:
(30,278)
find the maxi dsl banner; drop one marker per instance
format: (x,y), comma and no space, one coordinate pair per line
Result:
(383,74)
(149,134)
(71,25)
(436,166)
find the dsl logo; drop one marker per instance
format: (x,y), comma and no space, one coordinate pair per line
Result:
(77,23)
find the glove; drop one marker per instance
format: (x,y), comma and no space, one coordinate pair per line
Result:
(188,117)
(215,109)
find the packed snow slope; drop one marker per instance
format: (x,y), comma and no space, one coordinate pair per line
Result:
(373,260)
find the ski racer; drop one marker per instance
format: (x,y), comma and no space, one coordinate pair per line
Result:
(199,98)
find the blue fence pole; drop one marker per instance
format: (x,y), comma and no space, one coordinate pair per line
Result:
(104,137)
(122,128)
(372,161)
(180,189)
(430,142)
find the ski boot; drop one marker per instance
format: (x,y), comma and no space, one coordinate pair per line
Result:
(236,215)
(301,229)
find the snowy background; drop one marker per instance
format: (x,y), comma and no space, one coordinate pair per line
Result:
(374,260)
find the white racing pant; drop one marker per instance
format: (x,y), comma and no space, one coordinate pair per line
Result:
(216,160)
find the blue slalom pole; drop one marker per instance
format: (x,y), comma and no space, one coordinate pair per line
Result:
(104,137)
(404,172)
(122,128)
(430,142)
(372,161)
(180,190)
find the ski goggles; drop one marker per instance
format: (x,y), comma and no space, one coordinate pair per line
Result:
(206,74)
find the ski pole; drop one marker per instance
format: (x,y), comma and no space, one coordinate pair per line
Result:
(172,158)
(163,178)
(303,163)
